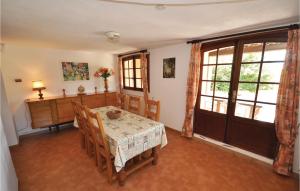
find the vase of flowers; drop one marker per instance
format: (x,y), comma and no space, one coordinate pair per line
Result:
(104,73)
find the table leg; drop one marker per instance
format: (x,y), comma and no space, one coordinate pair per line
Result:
(155,155)
(121,177)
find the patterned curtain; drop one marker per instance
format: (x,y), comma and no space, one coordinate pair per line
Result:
(120,74)
(192,89)
(287,106)
(144,66)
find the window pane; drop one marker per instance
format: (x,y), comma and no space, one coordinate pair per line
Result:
(225,55)
(222,89)
(126,64)
(271,72)
(265,112)
(267,93)
(138,63)
(224,72)
(138,83)
(126,73)
(275,51)
(131,73)
(130,63)
(220,105)
(131,81)
(208,72)
(246,91)
(249,72)
(206,103)
(210,57)
(138,73)
(127,82)
(252,52)
(244,109)
(207,88)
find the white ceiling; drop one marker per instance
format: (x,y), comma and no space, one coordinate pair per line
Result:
(80,24)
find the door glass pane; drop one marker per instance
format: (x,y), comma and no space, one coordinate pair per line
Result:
(252,52)
(267,93)
(138,73)
(220,105)
(130,63)
(126,64)
(210,57)
(222,89)
(208,73)
(249,72)
(246,91)
(207,88)
(271,72)
(244,109)
(206,103)
(275,51)
(127,82)
(139,83)
(224,72)
(137,63)
(131,73)
(265,112)
(131,81)
(126,73)
(225,55)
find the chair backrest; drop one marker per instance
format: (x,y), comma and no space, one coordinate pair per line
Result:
(152,110)
(78,114)
(134,105)
(96,126)
(121,100)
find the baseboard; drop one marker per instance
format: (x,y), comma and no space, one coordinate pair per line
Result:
(236,149)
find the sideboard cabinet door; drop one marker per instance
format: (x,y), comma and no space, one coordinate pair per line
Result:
(41,113)
(65,111)
(94,101)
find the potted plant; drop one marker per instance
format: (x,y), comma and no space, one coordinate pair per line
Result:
(104,73)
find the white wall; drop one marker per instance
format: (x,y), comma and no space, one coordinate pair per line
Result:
(9,180)
(31,64)
(170,91)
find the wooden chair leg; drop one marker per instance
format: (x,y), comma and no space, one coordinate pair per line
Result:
(121,177)
(154,154)
(82,140)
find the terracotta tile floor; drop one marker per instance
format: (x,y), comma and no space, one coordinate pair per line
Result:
(55,161)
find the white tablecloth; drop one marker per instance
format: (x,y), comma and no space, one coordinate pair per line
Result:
(130,135)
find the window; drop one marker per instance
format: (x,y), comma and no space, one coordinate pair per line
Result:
(132,73)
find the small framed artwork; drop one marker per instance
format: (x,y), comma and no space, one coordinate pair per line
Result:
(75,71)
(169,68)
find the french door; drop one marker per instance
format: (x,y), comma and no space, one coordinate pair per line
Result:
(238,91)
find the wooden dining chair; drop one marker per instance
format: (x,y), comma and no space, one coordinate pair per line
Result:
(121,100)
(90,144)
(152,111)
(81,127)
(134,104)
(103,157)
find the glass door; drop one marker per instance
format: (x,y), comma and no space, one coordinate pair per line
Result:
(255,88)
(238,91)
(214,91)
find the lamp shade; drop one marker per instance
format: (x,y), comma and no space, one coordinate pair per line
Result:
(36,85)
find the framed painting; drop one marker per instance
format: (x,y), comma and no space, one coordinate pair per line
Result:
(75,71)
(169,68)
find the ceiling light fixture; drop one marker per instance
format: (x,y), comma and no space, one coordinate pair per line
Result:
(162,6)
(112,35)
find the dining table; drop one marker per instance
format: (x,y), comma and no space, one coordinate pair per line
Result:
(129,136)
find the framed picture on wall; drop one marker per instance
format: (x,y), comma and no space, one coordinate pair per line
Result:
(169,68)
(75,71)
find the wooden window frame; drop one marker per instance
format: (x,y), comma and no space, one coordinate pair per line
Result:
(133,58)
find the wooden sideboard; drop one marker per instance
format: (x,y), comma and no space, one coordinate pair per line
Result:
(53,111)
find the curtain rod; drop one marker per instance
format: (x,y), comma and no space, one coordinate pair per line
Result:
(131,53)
(292,26)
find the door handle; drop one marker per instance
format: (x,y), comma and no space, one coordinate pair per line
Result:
(233,96)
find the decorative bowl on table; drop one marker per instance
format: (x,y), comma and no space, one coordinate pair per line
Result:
(114,114)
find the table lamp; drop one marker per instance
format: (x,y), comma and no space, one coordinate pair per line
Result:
(38,86)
